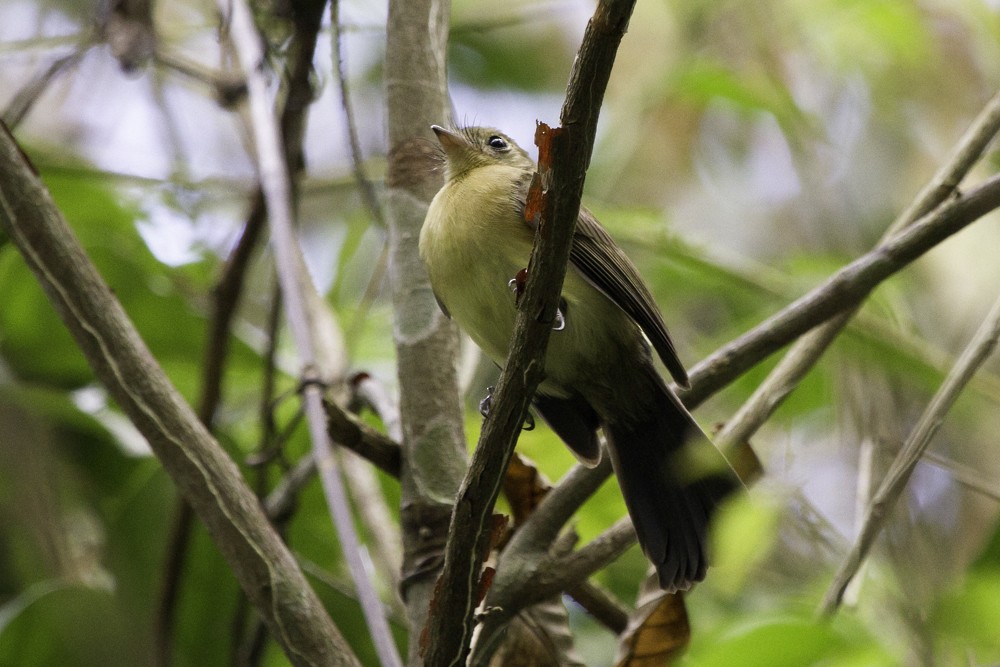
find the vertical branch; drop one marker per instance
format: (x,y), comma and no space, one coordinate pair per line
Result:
(298,291)
(434,449)
(564,154)
(226,296)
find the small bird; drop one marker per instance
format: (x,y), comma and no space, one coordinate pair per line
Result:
(599,371)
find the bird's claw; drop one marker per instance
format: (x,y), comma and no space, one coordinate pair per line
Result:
(560,322)
(487,402)
(517,284)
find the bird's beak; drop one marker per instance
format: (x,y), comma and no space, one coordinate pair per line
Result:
(454,144)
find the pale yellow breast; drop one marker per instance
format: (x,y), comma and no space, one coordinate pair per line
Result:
(473,242)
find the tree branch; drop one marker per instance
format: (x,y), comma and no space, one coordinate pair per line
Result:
(564,154)
(433,440)
(547,576)
(806,351)
(844,289)
(297,291)
(880,507)
(206,477)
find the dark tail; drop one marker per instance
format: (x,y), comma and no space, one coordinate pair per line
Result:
(672,478)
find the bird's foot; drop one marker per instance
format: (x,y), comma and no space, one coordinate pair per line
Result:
(560,321)
(517,285)
(487,402)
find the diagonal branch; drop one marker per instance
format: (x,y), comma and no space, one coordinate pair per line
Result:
(566,152)
(203,473)
(804,354)
(978,350)
(297,291)
(844,290)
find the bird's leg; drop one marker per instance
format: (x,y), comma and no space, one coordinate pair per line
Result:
(517,285)
(487,402)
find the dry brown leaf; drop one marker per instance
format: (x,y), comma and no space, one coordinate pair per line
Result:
(524,486)
(658,630)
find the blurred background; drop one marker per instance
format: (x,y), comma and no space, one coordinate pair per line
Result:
(746,150)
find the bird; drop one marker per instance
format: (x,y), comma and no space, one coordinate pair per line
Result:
(599,372)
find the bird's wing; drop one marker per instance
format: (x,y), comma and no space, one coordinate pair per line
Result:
(608,269)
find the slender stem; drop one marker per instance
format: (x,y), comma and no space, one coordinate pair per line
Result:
(276,186)
(889,491)
(804,354)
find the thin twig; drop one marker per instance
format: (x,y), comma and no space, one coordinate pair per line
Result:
(850,285)
(227,295)
(606,609)
(25,98)
(842,291)
(804,354)
(349,431)
(357,159)
(889,491)
(276,186)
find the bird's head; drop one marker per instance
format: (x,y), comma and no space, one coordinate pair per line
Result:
(474,147)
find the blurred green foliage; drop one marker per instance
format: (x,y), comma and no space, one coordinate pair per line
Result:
(747,150)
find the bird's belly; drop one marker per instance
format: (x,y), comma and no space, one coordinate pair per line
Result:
(487,315)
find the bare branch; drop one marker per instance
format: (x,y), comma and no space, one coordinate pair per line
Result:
(298,291)
(882,502)
(25,99)
(842,291)
(547,576)
(552,513)
(602,605)
(804,354)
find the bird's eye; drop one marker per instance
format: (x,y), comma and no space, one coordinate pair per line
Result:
(497,143)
